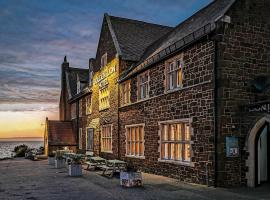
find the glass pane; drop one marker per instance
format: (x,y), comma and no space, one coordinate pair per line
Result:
(162,151)
(136,148)
(172,132)
(141,134)
(141,148)
(165,132)
(187,132)
(178,151)
(187,152)
(172,156)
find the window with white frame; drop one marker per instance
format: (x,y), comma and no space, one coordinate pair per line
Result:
(106,138)
(88,106)
(104,97)
(175,75)
(175,141)
(80,138)
(125,93)
(103,60)
(135,140)
(73,111)
(143,85)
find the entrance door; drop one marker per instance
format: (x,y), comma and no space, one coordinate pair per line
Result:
(90,139)
(262,160)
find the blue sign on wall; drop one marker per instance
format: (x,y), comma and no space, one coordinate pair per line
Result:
(232,146)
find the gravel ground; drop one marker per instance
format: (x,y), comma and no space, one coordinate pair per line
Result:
(36,180)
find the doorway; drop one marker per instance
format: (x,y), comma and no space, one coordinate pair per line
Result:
(90,139)
(262,153)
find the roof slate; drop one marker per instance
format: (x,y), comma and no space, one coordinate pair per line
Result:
(204,17)
(61,133)
(71,78)
(133,36)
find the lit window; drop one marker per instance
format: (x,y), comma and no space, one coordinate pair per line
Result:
(90,139)
(104,97)
(175,141)
(175,75)
(135,141)
(106,138)
(80,138)
(88,105)
(73,111)
(103,61)
(125,91)
(143,86)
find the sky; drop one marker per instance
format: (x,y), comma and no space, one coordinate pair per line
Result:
(35,35)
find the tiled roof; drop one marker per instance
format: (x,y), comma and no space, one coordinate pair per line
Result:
(61,133)
(71,78)
(202,22)
(133,36)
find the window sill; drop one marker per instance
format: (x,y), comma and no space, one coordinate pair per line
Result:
(139,157)
(189,164)
(106,152)
(174,90)
(103,109)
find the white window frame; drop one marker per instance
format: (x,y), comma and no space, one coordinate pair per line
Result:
(126,132)
(103,60)
(80,138)
(190,142)
(143,88)
(173,68)
(110,137)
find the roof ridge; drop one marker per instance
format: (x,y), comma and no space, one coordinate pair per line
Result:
(136,20)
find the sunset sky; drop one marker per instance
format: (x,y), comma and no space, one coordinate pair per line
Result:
(35,35)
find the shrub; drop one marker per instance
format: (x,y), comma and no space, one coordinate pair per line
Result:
(20,150)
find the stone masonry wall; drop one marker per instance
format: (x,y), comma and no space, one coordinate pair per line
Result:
(194,101)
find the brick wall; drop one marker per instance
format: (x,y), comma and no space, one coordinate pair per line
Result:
(243,55)
(194,101)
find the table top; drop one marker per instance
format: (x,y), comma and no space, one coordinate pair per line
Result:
(97,158)
(117,161)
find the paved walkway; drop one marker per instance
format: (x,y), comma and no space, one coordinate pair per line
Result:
(36,180)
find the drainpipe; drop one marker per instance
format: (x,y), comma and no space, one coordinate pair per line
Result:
(118,105)
(77,120)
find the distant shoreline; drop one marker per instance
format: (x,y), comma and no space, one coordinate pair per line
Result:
(22,139)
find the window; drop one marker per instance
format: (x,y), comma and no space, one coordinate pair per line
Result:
(90,139)
(73,111)
(175,75)
(104,97)
(125,91)
(143,86)
(88,105)
(135,141)
(90,78)
(103,60)
(80,138)
(80,108)
(106,138)
(175,141)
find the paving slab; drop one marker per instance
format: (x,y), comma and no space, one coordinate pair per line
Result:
(24,179)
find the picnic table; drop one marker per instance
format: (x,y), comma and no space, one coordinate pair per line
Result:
(113,166)
(95,161)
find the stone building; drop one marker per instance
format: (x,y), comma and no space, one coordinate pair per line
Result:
(191,102)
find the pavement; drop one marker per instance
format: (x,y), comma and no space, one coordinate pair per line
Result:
(36,180)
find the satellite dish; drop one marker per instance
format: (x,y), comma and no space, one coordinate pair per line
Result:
(261,83)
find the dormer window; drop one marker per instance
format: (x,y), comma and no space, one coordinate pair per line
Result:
(103,61)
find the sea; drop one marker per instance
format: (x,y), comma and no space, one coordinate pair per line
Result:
(6,147)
